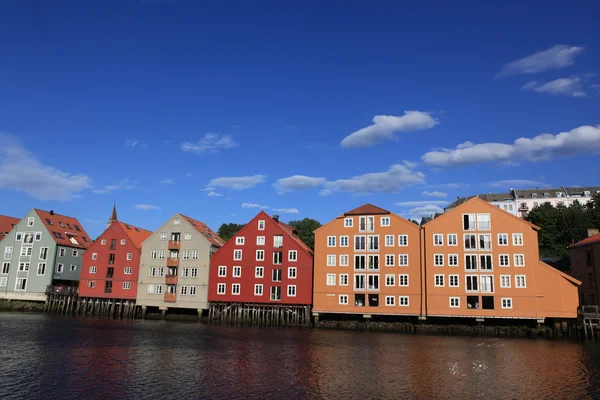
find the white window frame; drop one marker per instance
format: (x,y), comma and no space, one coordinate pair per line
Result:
(518,264)
(38,268)
(403,301)
(455,278)
(388,241)
(518,284)
(262,252)
(237,272)
(259,272)
(452,239)
(94,256)
(331,262)
(403,260)
(331,280)
(261,224)
(489,222)
(403,280)
(502,236)
(221,288)
(390,301)
(187,236)
(384,219)
(455,300)
(30,221)
(331,241)
(506,303)
(439,280)
(123,241)
(129,256)
(260,240)
(222,271)
(452,257)
(505,281)
(289,287)
(239,241)
(390,280)
(343,278)
(391,262)
(438,239)
(128,270)
(236,287)
(505,257)
(103,242)
(126,285)
(402,240)
(163,236)
(258,289)
(436,260)
(343,299)
(235,254)
(517,239)
(292,272)
(345,239)
(348,222)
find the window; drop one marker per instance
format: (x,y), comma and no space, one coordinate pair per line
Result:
(73,268)
(160,272)
(348,222)
(276,275)
(331,279)
(126,285)
(403,260)
(291,290)
(62,252)
(504,281)
(18,236)
(111,258)
(237,255)
(389,240)
(235,288)
(59,268)
(195,254)
(452,239)
(194,272)
(389,260)
(153,254)
(402,240)
(485,242)
(185,272)
(359,282)
(130,256)
(186,254)
(161,254)
(259,272)
(152,271)
(21,284)
(237,272)
(520,281)
(453,260)
(30,221)
(41,270)
(3,282)
(150,289)
(343,279)
(26,251)
(468,222)
(159,289)
(486,263)
(438,239)
(453,280)
(260,240)
(94,256)
(502,239)
(239,240)
(504,260)
(373,263)
(8,253)
(183,290)
(331,260)
(176,221)
(91,284)
(390,280)
(103,242)
(128,270)
(260,255)
(360,243)
(360,262)
(330,241)
(471,262)
(222,271)
(373,282)
(370,224)
(454,302)
(471,283)
(123,241)
(403,280)
(517,239)
(344,260)
(483,222)
(275,293)
(113,244)
(163,236)
(506,302)
(188,236)
(292,272)
(343,299)
(519,260)
(277,241)
(258,290)
(221,288)
(470,242)
(38,236)
(261,225)
(362,224)
(403,301)
(373,242)
(439,280)
(486,283)
(385,221)
(5,268)
(192,290)
(390,301)
(438,260)
(344,241)
(278,257)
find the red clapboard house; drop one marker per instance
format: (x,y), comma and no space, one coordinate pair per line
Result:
(111,264)
(265,263)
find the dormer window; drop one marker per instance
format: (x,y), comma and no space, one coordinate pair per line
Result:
(587,193)
(49,221)
(534,195)
(559,194)
(546,195)
(61,224)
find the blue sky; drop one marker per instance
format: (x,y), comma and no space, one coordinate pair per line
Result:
(215,110)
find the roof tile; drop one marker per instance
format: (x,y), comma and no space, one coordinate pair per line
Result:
(205,230)
(137,235)
(62,228)
(367,209)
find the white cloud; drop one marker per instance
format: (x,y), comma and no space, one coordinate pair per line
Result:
(571,86)
(584,139)
(237,182)
(325,192)
(424,211)
(558,56)
(434,194)
(125,184)
(397,177)
(189,174)
(297,182)
(211,142)
(421,203)
(168,181)
(286,210)
(131,142)
(214,194)
(517,183)
(147,207)
(21,170)
(384,127)
(254,205)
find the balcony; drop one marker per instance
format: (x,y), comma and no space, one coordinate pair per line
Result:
(172,262)
(170,297)
(174,244)
(171,279)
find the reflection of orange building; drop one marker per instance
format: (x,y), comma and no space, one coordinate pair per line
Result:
(367,261)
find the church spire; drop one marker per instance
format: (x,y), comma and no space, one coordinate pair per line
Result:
(113,215)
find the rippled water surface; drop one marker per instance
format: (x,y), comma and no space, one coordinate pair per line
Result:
(43,357)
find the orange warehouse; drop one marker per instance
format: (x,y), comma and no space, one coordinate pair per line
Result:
(482,262)
(368,261)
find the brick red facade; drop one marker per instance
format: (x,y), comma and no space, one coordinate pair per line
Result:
(248,264)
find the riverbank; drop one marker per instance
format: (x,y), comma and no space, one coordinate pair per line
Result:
(21,306)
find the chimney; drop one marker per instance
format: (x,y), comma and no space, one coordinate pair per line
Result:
(457,197)
(276,218)
(51,212)
(592,232)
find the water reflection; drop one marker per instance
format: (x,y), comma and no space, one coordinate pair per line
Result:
(49,357)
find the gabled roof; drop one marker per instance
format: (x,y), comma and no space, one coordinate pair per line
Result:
(367,209)
(580,191)
(136,235)
(294,234)
(6,224)
(567,277)
(589,240)
(528,194)
(205,231)
(66,231)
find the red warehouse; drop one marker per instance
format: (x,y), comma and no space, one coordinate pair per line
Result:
(263,273)
(111,264)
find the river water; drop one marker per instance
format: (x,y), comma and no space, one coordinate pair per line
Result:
(49,357)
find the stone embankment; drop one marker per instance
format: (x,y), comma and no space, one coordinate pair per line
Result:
(22,306)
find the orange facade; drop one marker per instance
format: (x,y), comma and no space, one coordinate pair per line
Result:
(367,261)
(474,261)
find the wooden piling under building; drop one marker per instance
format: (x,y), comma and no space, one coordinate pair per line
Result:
(256,314)
(66,301)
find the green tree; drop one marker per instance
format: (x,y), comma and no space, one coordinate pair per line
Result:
(227,231)
(305,230)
